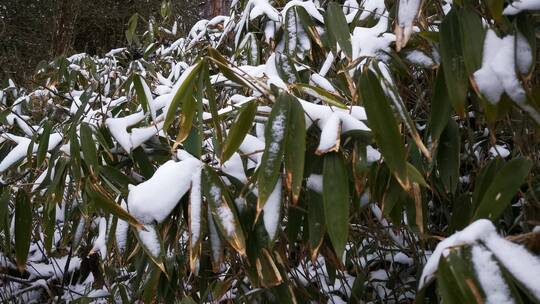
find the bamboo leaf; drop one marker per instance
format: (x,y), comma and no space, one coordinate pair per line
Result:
(316,222)
(184,92)
(143,93)
(295,149)
(88,147)
(440,107)
(275,134)
(453,62)
(504,186)
(239,129)
(336,200)
(338,28)
(103,201)
(23,228)
(75,153)
(223,210)
(472,32)
(448,153)
(152,245)
(43,144)
(322,94)
(383,125)
(456,281)
(224,68)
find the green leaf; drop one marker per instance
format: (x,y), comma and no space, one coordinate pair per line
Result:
(152,244)
(336,200)
(190,107)
(4,220)
(316,222)
(322,94)
(88,147)
(184,92)
(75,153)
(142,92)
(295,149)
(453,61)
(238,131)
(338,28)
(116,177)
(286,69)
(23,228)
(275,135)
(383,125)
(224,68)
(292,31)
(102,200)
(415,176)
(213,105)
(399,107)
(484,179)
(142,161)
(223,210)
(49,221)
(448,153)
(43,144)
(456,281)
(495,8)
(472,32)
(440,107)
(504,186)
(132,27)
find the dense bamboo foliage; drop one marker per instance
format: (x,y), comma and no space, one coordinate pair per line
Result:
(292,152)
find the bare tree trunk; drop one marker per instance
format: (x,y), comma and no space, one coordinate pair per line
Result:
(217,7)
(64,21)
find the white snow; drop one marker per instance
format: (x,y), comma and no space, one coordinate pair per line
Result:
(315,183)
(235,168)
(524,55)
(215,239)
(407,11)
(150,240)
(490,277)
(372,41)
(309,6)
(226,218)
(118,128)
(320,81)
(100,243)
(420,58)
(470,235)
(330,134)
(252,147)
(195,204)
(497,74)
(271,210)
(122,228)
(518,6)
(19,152)
(516,259)
(522,264)
(499,150)
(154,199)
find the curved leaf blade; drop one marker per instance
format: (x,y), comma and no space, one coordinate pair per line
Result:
(240,128)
